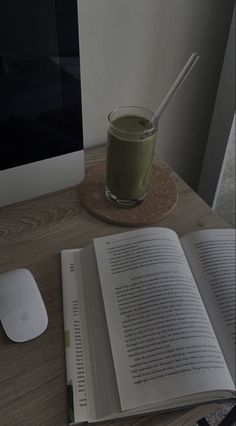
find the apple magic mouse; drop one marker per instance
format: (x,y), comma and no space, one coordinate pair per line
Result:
(22,311)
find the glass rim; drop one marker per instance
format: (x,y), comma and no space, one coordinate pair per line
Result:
(145,131)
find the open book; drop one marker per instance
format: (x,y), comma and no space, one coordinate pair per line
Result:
(149,322)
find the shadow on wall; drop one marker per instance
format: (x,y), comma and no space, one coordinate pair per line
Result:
(225,204)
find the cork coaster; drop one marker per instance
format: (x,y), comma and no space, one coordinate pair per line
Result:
(159,202)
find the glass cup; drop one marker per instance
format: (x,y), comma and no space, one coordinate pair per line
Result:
(130,148)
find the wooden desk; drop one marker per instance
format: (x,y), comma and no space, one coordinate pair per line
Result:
(32,233)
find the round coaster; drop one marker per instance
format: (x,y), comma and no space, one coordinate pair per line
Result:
(158,203)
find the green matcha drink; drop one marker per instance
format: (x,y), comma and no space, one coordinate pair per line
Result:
(130,147)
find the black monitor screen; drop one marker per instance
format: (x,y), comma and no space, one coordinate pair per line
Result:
(40,95)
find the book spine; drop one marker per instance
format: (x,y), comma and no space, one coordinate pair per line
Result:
(74,353)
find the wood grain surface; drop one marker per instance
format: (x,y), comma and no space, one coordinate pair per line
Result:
(32,233)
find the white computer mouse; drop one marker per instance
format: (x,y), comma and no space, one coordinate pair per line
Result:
(22,309)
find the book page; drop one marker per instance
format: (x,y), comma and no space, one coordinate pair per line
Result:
(211,255)
(103,397)
(101,385)
(162,341)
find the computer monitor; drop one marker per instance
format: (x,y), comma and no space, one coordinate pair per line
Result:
(41,135)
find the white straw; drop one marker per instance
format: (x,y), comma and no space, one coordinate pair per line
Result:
(185,71)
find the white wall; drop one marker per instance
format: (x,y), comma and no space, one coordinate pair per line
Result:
(132,50)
